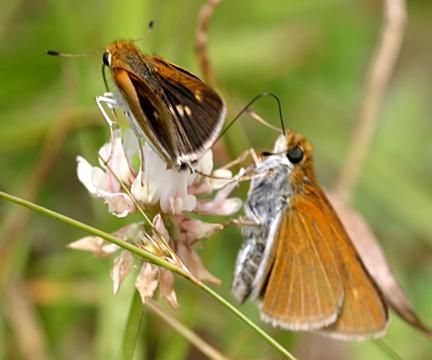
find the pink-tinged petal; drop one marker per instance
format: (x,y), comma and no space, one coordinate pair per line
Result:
(221,204)
(199,188)
(121,267)
(113,153)
(166,288)
(222,207)
(194,264)
(197,229)
(95,245)
(375,262)
(205,185)
(159,225)
(120,164)
(147,281)
(119,204)
(84,173)
(102,182)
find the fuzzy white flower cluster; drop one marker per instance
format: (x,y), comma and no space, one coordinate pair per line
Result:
(173,195)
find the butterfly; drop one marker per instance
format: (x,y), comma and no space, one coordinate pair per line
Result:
(298,261)
(178,114)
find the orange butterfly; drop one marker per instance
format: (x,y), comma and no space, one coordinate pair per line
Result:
(298,261)
(173,109)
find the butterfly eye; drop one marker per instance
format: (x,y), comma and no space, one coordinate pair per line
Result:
(295,154)
(106,58)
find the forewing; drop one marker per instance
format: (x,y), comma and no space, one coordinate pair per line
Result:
(364,313)
(148,115)
(198,111)
(304,289)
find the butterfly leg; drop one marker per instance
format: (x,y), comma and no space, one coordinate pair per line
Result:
(241,221)
(111,103)
(246,175)
(250,153)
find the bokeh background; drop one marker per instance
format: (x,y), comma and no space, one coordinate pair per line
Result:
(57,303)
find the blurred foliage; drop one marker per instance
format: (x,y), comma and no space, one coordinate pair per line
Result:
(313,54)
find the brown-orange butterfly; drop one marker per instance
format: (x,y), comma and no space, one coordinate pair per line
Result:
(173,109)
(298,260)
(177,113)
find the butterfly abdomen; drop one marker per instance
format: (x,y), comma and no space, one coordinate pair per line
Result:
(266,197)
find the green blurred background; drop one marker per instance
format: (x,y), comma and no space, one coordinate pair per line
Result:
(313,54)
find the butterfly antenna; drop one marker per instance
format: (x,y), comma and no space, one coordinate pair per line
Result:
(150,27)
(246,109)
(62,54)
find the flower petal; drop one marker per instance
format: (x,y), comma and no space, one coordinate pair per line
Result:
(84,173)
(130,145)
(174,196)
(121,267)
(221,204)
(147,281)
(95,245)
(221,178)
(159,225)
(166,288)
(193,262)
(119,204)
(144,191)
(203,166)
(197,229)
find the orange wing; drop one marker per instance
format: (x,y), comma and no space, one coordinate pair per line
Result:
(304,289)
(364,313)
(317,280)
(148,112)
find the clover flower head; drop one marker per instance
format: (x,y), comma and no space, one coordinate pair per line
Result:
(175,197)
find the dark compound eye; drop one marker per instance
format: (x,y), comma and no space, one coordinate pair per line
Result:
(106,58)
(295,154)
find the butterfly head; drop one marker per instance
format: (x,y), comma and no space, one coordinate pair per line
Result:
(296,153)
(120,54)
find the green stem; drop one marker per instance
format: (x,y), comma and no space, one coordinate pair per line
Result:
(247,321)
(151,258)
(133,328)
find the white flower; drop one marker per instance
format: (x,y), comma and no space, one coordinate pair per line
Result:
(146,186)
(172,195)
(221,204)
(175,199)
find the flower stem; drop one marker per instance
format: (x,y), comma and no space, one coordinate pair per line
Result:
(132,329)
(151,258)
(147,256)
(266,337)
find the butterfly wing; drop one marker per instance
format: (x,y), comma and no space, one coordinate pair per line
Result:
(197,111)
(304,289)
(318,280)
(148,117)
(364,313)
